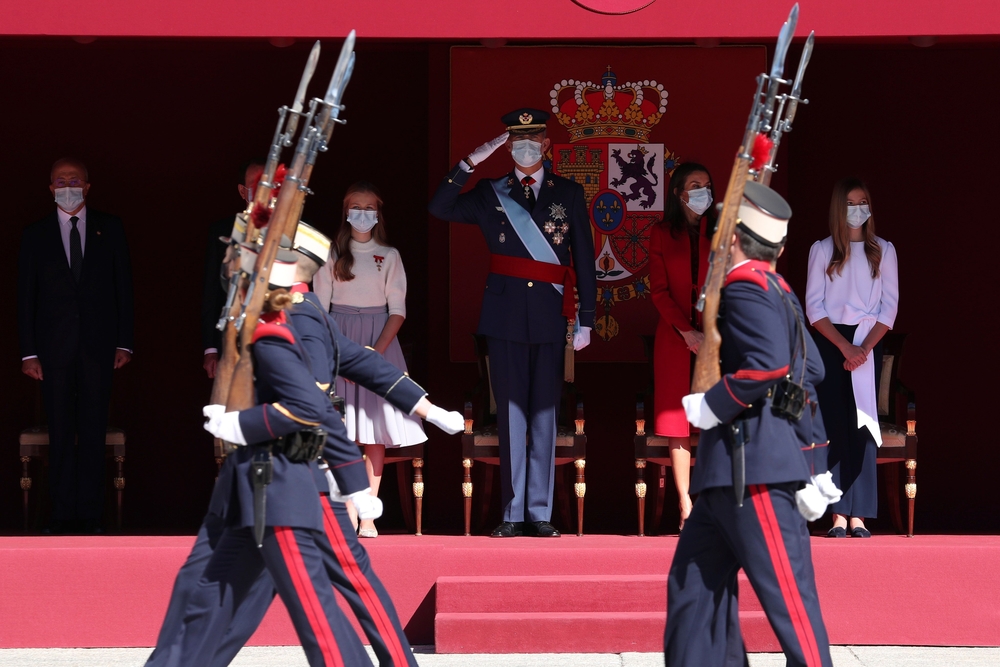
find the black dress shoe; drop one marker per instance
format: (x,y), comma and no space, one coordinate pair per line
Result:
(540,529)
(508,529)
(837,531)
(860,531)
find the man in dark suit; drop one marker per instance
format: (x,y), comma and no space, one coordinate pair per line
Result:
(213,295)
(74,303)
(538,231)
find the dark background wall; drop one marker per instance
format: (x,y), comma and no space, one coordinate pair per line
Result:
(163,126)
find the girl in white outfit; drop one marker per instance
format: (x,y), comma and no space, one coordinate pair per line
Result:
(365,287)
(852,294)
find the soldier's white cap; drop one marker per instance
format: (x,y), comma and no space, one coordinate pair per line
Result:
(312,243)
(282,271)
(764,214)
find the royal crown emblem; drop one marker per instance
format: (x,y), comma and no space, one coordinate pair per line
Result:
(627,111)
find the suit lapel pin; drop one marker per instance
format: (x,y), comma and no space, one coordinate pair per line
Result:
(503,238)
(550,183)
(500,208)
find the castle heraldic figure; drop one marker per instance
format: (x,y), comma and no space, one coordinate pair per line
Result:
(537,228)
(749,431)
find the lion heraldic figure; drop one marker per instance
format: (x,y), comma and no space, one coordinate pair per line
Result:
(635,169)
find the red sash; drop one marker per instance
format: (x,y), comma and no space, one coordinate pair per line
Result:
(529,269)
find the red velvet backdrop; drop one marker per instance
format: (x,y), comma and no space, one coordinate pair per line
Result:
(150,116)
(709,96)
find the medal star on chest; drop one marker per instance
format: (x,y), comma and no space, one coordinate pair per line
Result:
(557,212)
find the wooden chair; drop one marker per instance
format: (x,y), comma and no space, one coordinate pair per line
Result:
(34,443)
(481,441)
(651,448)
(897,405)
(412,477)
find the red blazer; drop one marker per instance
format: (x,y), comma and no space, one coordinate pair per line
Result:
(671,290)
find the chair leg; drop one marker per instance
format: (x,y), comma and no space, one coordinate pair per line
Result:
(911,492)
(640,493)
(661,494)
(120,486)
(892,495)
(418,492)
(580,487)
(467,494)
(25,487)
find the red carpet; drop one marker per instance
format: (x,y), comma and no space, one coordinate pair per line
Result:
(595,593)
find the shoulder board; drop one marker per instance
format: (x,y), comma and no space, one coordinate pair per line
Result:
(754,272)
(273,330)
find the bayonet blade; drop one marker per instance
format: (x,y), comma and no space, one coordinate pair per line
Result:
(307,74)
(803,63)
(784,40)
(337,82)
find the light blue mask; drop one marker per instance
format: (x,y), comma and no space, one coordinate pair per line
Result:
(526,152)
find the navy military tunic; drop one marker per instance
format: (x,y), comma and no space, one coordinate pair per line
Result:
(525,326)
(767,536)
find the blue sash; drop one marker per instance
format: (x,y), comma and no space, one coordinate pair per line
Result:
(525,228)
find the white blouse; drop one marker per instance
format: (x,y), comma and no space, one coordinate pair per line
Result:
(853,295)
(379,280)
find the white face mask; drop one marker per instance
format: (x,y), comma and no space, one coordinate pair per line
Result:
(250,193)
(858,215)
(69,199)
(526,153)
(362,221)
(699,200)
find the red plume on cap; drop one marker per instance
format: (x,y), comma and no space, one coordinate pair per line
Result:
(262,215)
(761,153)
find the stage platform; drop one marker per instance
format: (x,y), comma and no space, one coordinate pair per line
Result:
(596,594)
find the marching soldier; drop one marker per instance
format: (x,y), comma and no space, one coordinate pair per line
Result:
(537,228)
(750,429)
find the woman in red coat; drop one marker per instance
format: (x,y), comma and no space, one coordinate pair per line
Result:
(678,260)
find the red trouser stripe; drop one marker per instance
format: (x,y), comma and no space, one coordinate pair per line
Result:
(783,572)
(342,550)
(311,605)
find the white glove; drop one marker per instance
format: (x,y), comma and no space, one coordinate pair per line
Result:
(367,505)
(477,156)
(335,494)
(811,503)
(581,338)
(698,413)
(224,425)
(449,422)
(826,486)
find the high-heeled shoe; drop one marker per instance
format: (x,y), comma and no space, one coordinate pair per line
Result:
(368,532)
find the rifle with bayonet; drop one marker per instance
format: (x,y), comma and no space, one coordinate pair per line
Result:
(753,154)
(323,115)
(788,105)
(248,221)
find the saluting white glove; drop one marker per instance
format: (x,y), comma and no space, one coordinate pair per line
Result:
(450,422)
(223,425)
(477,156)
(581,338)
(367,505)
(698,413)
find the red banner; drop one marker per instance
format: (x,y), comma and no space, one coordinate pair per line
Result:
(623,118)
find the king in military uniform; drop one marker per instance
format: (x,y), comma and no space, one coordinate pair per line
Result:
(537,228)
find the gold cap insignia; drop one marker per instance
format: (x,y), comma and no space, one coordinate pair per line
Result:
(525,118)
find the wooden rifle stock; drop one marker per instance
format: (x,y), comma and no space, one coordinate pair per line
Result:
(706,367)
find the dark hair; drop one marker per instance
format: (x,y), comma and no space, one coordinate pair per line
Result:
(754,249)
(245,167)
(673,214)
(345,258)
(69,162)
(841,233)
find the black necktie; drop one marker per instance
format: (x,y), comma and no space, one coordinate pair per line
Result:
(75,250)
(529,194)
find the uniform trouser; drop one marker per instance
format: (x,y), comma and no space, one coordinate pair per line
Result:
(76,396)
(527,381)
(171,635)
(350,570)
(767,537)
(294,561)
(853,453)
